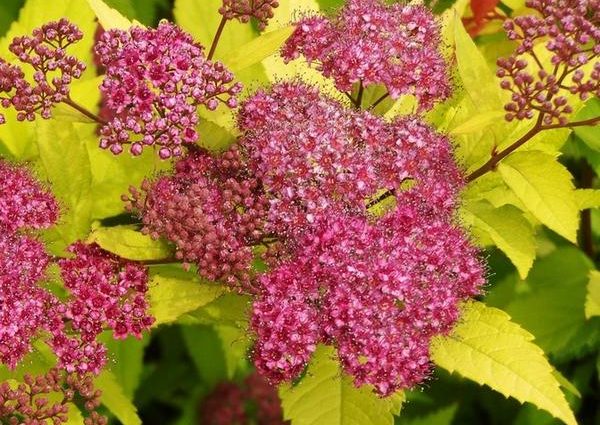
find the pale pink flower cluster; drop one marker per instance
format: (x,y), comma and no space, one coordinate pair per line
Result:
(395,45)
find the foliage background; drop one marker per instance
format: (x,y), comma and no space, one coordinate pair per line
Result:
(542,258)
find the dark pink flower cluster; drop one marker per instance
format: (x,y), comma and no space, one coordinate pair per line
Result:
(377,287)
(54,70)
(373,43)
(106,292)
(44,399)
(155,81)
(253,401)
(244,10)
(569,30)
(211,209)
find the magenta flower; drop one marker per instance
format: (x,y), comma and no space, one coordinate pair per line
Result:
(155,81)
(373,43)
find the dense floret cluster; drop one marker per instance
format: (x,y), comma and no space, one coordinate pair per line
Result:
(373,43)
(244,10)
(54,70)
(570,33)
(156,79)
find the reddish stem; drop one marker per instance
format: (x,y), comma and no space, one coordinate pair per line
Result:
(217,37)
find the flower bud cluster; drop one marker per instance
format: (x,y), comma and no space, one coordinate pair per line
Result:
(35,400)
(569,31)
(155,81)
(210,209)
(229,403)
(54,70)
(373,43)
(244,10)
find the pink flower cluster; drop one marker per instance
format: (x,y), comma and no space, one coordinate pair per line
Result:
(211,209)
(244,10)
(54,70)
(44,399)
(373,43)
(155,81)
(102,290)
(253,401)
(569,30)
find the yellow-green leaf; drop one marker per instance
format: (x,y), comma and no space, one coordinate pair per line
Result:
(108,17)
(257,49)
(489,349)
(592,300)
(174,292)
(545,188)
(508,229)
(325,396)
(587,198)
(115,400)
(477,123)
(129,243)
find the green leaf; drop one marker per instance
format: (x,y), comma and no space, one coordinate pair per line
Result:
(550,304)
(174,292)
(115,400)
(206,350)
(477,123)
(508,229)
(127,242)
(229,309)
(545,188)
(592,299)
(257,49)
(127,361)
(66,164)
(587,198)
(489,349)
(443,416)
(590,135)
(108,17)
(326,396)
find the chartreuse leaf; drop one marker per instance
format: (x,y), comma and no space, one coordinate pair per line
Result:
(443,416)
(589,134)
(550,304)
(174,292)
(507,228)
(477,123)
(115,400)
(108,17)
(257,49)
(207,353)
(127,361)
(592,299)
(65,162)
(545,188)
(326,396)
(587,198)
(129,243)
(489,349)
(74,417)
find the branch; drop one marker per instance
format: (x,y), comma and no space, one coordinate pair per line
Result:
(84,111)
(378,101)
(215,41)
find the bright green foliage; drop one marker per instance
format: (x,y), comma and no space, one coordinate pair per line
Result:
(174,292)
(115,399)
(488,348)
(108,17)
(587,198)
(129,243)
(443,416)
(507,229)
(545,188)
(325,396)
(592,300)
(127,359)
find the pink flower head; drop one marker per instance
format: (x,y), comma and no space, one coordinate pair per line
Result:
(211,209)
(54,70)
(244,10)
(155,81)
(24,202)
(570,31)
(25,308)
(373,43)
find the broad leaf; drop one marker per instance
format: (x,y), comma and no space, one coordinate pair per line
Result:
(115,400)
(108,17)
(207,352)
(174,292)
(587,198)
(488,348)
(127,361)
(545,188)
(592,299)
(129,243)
(326,396)
(508,230)
(443,416)
(590,135)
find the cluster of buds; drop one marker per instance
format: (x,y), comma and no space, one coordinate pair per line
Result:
(229,404)
(370,42)
(211,209)
(569,31)
(54,70)
(244,10)
(156,79)
(45,399)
